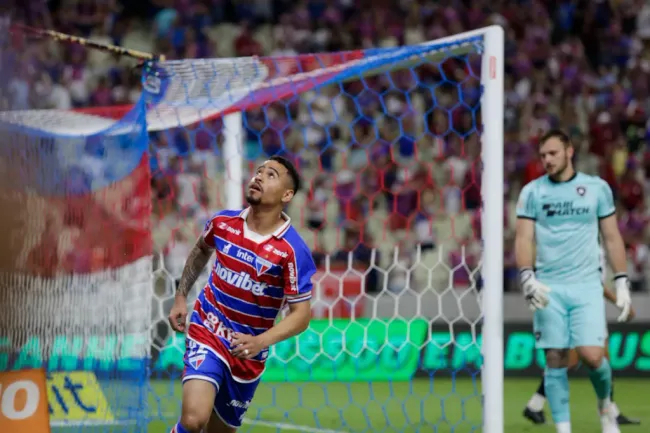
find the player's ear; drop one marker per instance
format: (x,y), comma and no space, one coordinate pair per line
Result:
(287,196)
(570,150)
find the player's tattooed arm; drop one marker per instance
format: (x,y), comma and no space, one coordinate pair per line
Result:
(196,261)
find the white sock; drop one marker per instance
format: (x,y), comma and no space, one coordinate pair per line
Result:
(613,409)
(604,404)
(536,403)
(563,427)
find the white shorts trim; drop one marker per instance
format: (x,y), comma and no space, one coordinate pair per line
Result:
(201,377)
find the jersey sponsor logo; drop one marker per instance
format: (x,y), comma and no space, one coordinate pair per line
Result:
(216,326)
(271,249)
(226,227)
(564,208)
(245,256)
(292,277)
(239,404)
(262,265)
(23,401)
(241,280)
(226,248)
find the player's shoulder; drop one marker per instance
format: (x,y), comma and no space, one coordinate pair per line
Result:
(226,213)
(225,219)
(591,180)
(295,243)
(533,186)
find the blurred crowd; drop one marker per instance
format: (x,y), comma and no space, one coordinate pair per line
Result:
(390,161)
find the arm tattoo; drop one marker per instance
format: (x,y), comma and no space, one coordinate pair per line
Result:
(194,265)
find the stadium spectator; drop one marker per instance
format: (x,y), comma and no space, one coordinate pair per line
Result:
(397,158)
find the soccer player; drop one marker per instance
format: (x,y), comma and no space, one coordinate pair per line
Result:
(261,264)
(559,218)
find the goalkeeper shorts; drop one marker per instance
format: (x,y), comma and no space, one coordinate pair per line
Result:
(574,317)
(233,398)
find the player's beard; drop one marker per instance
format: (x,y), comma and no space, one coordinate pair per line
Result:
(564,167)
(560,168)
(253,201)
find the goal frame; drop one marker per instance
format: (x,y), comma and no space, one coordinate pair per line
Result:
(492,109)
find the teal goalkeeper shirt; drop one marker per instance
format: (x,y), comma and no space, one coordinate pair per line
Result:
(566,216)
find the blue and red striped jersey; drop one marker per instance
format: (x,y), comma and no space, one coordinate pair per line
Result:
(252,279)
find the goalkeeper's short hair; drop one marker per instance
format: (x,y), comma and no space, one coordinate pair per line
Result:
(556,133)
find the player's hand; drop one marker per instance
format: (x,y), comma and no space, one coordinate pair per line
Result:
(623,298)
(178,314)
(536,293)
(246,346)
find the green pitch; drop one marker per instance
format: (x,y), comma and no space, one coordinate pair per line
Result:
(431,406)
(406,407)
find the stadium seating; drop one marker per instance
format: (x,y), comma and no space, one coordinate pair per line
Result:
(557,76)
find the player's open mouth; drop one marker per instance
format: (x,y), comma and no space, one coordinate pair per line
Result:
(255,187)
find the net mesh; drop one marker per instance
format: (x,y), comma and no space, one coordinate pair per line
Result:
(391,211)
(75,267)
(388,144)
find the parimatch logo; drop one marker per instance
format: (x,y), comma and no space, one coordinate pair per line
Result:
(565,208)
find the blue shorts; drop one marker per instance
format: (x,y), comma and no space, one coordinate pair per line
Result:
(233,398)
(574,317)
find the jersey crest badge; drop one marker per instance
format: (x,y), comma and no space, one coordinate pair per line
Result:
(196,360)
(262,265)
(581,190)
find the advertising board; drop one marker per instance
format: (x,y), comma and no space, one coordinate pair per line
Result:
(338,350)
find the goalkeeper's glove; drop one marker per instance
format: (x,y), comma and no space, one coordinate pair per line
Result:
(623,298)
(536,293)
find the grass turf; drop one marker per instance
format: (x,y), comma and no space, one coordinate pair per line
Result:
(439,405)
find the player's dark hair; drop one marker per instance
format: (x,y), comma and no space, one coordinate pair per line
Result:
(291,169)
(556,133)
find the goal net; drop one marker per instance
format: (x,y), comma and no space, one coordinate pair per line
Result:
(400,150)
(75,266)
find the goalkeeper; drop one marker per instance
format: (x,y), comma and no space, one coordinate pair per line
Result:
(559,219)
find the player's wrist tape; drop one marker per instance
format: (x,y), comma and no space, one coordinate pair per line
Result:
(525,274)
(620,275)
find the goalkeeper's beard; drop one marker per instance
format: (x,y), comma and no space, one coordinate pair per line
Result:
(562,168)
